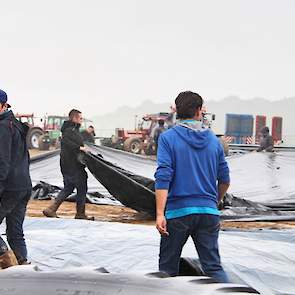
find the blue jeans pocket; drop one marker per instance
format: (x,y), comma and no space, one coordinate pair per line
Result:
(210,224)
(177,224)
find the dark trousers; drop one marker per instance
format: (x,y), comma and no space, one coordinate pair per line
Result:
(13,207)
(78,181)
(204,230)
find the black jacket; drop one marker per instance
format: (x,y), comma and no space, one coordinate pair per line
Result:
(266,143)
(14,155)
(158,131)
(71,142)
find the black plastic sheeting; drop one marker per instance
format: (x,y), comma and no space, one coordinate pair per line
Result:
(262,186)
(47,182)
(128,187)
(264,260)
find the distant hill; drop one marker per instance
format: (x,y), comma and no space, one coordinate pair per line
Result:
(125,116)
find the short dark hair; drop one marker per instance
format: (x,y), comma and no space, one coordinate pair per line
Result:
(91,127)
(161,122)
(73,113)
(187,103)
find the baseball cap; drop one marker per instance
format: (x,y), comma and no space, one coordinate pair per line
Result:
(3,98)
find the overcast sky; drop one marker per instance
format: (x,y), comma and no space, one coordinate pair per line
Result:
(97,55)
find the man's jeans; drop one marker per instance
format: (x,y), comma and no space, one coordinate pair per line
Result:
(13,207)
(78,181)
(204,230)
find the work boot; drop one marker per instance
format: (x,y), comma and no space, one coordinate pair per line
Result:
(23,261)
(81,213)
(8,259)
(51,210)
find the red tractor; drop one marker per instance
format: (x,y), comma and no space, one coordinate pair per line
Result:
(141,139)
(135,141)
(34,133)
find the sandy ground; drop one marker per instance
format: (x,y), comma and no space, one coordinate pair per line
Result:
(127,215)
(35,152)
(100,212)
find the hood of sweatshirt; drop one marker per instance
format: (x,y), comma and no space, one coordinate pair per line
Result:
(8,116)
(69,124)
(194,134)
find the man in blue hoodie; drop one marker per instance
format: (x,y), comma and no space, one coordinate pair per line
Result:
(191,179)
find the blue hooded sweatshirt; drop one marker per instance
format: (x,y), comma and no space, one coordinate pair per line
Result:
(190,162)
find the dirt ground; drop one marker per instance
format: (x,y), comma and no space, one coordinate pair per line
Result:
(35,152)
(127,215)
(100,212)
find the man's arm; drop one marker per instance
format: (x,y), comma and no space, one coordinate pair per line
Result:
(163,176)
(161,200)
(222,189)
(222,176)
(5,155)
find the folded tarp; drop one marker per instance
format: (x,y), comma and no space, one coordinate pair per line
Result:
(265,178)
(261,183)
(137,192)
(131,190)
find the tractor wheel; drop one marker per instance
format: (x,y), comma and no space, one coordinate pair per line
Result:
(133,145)
(44,142)
(33,138)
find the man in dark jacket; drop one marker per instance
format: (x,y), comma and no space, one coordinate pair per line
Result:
(266,142)
(160,129)
(74,174)
(15,184)
(88,134)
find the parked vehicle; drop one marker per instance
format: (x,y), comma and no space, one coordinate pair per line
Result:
(240,128)
(141,139)
(34,133)
(47,133)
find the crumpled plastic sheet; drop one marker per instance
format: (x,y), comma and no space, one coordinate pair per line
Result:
(265,178)
(45,191)
(264,260)
(48,171)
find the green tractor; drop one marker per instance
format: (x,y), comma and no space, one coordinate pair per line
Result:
(52,131)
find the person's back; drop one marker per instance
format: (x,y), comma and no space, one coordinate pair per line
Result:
(191,179)
(14,164)
(266,142)
(71,142)
(198,161)
(88,134)
(15,184)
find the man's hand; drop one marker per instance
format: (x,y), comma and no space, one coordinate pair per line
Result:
(84,149)
(161,225)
